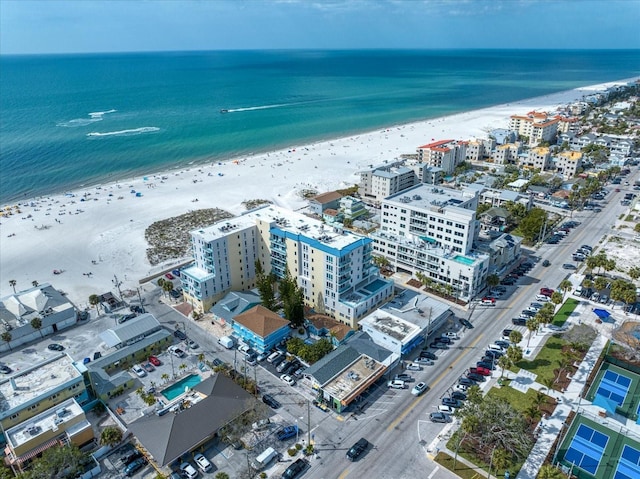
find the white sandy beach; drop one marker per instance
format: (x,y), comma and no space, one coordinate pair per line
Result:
(104,234)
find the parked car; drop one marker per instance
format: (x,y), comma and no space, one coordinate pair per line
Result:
(288,380)
(428,355)
(506,333)
(270,401)
(465,381)
(474,377)
(273,356)
(130,455)
(396,384)
(435,345)
(459,395)
(419,388)
(134,466)
(180,335)
(407,378)
(138,371)
(443,340)
(262,356)
(466,323)
(451,335)
(176,351)
(425,361)
(294,469)
(55,347)
(287,433)
(203,463)
(481,370)
(546,291)
(278,360)
(4,369)
(176,272)
(568,266)
(454,403)
(148,367)
(357,449)
(438,417)
(503,344)
(188,471)
(282,366)
(155,361)
(519,321)
(169,276)
(413,367)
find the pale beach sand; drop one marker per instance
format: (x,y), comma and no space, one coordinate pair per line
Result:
(104,235)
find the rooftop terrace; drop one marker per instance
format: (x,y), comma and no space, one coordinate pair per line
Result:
(428,196)
(354,378)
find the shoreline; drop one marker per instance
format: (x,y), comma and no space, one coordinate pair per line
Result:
(96,232)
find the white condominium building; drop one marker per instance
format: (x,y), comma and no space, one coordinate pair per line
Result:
(333,267)
(431,230)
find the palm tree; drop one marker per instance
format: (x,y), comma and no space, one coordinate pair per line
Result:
(547,383)
(565,286)
(557,298)
(94,301)
(532,325)
(167,286)
(110,436)
(164,377)
(515,337)
(182,367)
(493,280)
(36,323)
(634,273)
(505,363)
(532,413)
(548,471)
(6,337)
(12,283)
(600,283)
(34,283)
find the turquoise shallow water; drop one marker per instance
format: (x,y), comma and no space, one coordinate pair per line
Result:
(68,120)
(177,389)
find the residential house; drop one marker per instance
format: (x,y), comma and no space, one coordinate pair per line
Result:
(495,218)
(260,328)
(321,202)
(322,326)
(352,208)
(234,303)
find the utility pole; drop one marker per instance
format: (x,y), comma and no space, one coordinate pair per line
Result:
(140,299)
(308,422)
(117,284)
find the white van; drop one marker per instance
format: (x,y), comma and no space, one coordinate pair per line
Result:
(264,458)
(227,341)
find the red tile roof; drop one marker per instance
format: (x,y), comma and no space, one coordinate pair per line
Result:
(435,144)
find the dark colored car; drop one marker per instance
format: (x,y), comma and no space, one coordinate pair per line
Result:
(287,432)
(4,369)
(180,335)
(508,282)
(438,417)
(451,402)
(294,469)
(404,377)
(443,340)
(507,332)
(502,343)
(482,366)
(270,401)
(130,455)
(466,381)
(466,323)
(135,466)
(56,347)
(357,449)
(495,354)
(519,321)
(276,362)
(428,355)
(435,345)
(475,377)
(97,355)
(460,396)
(546,263)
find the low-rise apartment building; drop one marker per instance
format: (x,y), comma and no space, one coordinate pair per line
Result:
(333,267)
(536,159)
(567,163)
(538,127)
(506,154)
(376,183)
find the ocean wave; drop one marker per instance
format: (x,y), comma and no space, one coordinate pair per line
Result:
(132,132)
(93,117)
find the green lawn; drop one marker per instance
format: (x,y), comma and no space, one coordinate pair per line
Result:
(547,359)
(565,311)
(462,470)
(518,400)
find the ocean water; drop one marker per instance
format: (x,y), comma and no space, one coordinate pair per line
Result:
(71,120)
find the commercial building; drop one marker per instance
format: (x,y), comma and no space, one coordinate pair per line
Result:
(40,387)
(432,231)
(405,322)
(349,370)
(445,154)
(333,267)
(192,419)
(58,426)
(42,302)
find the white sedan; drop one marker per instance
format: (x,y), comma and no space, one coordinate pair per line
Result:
(288,379)
(139,371)
(414,367)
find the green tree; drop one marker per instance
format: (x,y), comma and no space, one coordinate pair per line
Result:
(222,475)
(636,228)
(505,363)
(556,298)
(532,413)
(531,225)
(36,323)
(493,280)
(56,463)
(547,471)
(565,286)
(634,273)
(110,436)
(167,286)
(624,291)
(12,283)
(474,394)
(514,353)
(6,337)
(515,337)
(600,282)
(265,284)
(532,325)
(94,301)
(295,345)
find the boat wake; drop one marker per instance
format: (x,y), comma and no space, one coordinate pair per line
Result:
(93,117)
(132,132)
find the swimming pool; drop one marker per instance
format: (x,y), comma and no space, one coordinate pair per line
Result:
(177,389)
(375,286)
(464,260)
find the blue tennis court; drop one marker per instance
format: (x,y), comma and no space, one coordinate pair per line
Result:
(629,464)
(586,449)
(614,386)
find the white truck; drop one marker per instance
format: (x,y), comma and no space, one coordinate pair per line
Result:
(265,458)
(227,341)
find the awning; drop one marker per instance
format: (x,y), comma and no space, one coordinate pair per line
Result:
(34,452)
(426,239)
(601,313)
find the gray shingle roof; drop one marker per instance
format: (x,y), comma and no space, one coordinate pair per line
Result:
(169,436)
(143,325)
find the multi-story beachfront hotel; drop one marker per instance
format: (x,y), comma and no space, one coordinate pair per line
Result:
(432,230)
(333,267)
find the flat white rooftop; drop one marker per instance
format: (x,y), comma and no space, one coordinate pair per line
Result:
(390,325)
(296,224)
(50,419)
(39,380)
(426,197)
